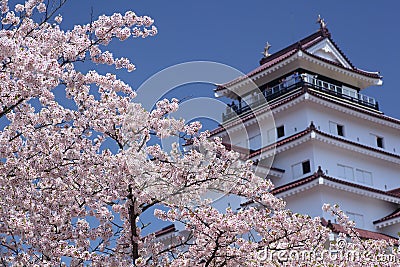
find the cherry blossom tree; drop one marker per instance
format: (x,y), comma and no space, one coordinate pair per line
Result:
(66,200)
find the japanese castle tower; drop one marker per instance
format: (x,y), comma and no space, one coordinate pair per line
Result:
(330,143)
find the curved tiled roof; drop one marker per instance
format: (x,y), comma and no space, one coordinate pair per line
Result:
(359,71)
(395,191)
(312,128)
(280,143)
(259,69)
(337,228)
(254,114)
(392,215)
(301,45)
(242,119)
(166,230)
(319,174)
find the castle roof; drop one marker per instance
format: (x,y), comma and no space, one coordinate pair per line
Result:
(320,174)
(337,228)
(318,46)
(392,215)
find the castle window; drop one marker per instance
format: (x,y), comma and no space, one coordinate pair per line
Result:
(377,140)
(364,177)
(301,168)
(345,172)
(336,129)
(280,131)
(306,166)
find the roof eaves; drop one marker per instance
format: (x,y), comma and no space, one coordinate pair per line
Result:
(366,234)
(168,229)
(357,144)
(254,114)
(375,114)
(316,175)
(340,51)
(281,142)
(374,75)
(392,215)
(280,55)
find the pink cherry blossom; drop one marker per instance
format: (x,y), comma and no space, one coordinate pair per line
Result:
(67,200)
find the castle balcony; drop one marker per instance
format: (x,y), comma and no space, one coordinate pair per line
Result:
(289,84)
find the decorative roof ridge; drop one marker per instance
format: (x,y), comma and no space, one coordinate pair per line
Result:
(370,74)
(281,142)
(337,228)
(301,45)
(340,51)
(165,230)
(395,191)
(320,174)
(294,184)
(304,43)
(392,215)
(312,128)
(257,70)
(357,144)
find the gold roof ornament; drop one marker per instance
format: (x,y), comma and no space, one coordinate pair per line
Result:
(321,22)
(266,48)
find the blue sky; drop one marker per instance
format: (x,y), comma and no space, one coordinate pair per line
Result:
(235,32)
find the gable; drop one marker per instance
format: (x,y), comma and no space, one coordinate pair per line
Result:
(325,49)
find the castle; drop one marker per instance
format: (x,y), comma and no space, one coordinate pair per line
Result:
(329,142)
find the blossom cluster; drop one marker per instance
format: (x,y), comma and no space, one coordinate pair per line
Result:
(67,199)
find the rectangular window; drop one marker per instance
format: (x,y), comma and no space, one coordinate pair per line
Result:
(364,177)
(280,131)
(340,130)
(346,172)
(301,168)
(377,140)
(306,167)
(336,129)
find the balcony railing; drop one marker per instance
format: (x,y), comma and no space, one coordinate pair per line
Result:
(291,83)
(340,91)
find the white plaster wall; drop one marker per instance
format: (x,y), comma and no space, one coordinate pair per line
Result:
(392,230)
(385,175)
(372,209)
(295,119)
(355,129)
(310,202)
(286,159)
